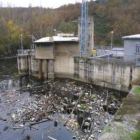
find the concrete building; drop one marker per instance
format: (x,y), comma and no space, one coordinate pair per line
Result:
(52,56)
(56,55)
(132,48)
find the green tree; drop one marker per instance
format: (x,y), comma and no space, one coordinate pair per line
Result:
(13,36)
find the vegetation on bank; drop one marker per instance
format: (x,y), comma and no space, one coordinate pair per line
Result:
(137,90)
(136,135)
(121,16)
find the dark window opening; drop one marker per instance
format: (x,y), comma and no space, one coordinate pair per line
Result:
(138,49)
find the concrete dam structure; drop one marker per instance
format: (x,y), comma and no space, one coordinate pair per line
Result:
(57,57)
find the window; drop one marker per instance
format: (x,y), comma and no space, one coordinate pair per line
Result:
(137,49)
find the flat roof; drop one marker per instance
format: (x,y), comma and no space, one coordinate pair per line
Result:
(136,36)
(57,39)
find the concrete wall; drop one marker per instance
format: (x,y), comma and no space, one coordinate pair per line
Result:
(96,71)
(103,72)
(44,52)
(135,73)
(23,66)
(34,65)
(108,74)
(64,58)
(27,64)
(90,30)
(130,49)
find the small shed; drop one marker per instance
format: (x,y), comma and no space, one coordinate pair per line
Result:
(46,47)
(56,55)
(132,48)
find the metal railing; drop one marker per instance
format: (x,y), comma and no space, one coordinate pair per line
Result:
(105,53)
(26,52)
(124,59)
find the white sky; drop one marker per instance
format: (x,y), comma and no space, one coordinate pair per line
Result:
(34,3)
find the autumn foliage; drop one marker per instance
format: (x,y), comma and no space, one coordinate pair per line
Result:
(121,16)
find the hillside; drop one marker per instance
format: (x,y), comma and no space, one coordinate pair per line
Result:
(121,16)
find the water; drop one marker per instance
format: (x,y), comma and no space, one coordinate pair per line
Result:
(17,101)
(11,87)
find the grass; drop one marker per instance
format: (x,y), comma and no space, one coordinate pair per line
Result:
(131,105)
(121,131)
(136,90)
(136,135)
(108,130)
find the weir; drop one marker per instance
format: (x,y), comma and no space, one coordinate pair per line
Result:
(111,73)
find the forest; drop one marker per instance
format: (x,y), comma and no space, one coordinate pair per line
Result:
(120,16)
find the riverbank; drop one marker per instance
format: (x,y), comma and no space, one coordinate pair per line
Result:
(125,125)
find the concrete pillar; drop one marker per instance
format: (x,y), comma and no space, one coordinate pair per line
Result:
(19,64)
(29,64)
(40,69)
(45,68)
(51,69)
(34,65)
(25,64)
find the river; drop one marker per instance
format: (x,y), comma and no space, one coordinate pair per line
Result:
(32,109)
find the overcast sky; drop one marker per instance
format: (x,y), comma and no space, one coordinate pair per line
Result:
(34,3)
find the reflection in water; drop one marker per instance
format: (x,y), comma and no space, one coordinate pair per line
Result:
(6,84)
(10,82)
(19,83)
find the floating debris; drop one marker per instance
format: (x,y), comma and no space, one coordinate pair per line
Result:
(82,112)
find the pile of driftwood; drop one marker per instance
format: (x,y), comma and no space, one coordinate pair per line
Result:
(89,109)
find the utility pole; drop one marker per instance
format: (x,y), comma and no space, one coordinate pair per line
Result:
(112,39)
(21,43)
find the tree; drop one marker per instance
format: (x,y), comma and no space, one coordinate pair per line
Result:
(13,36)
